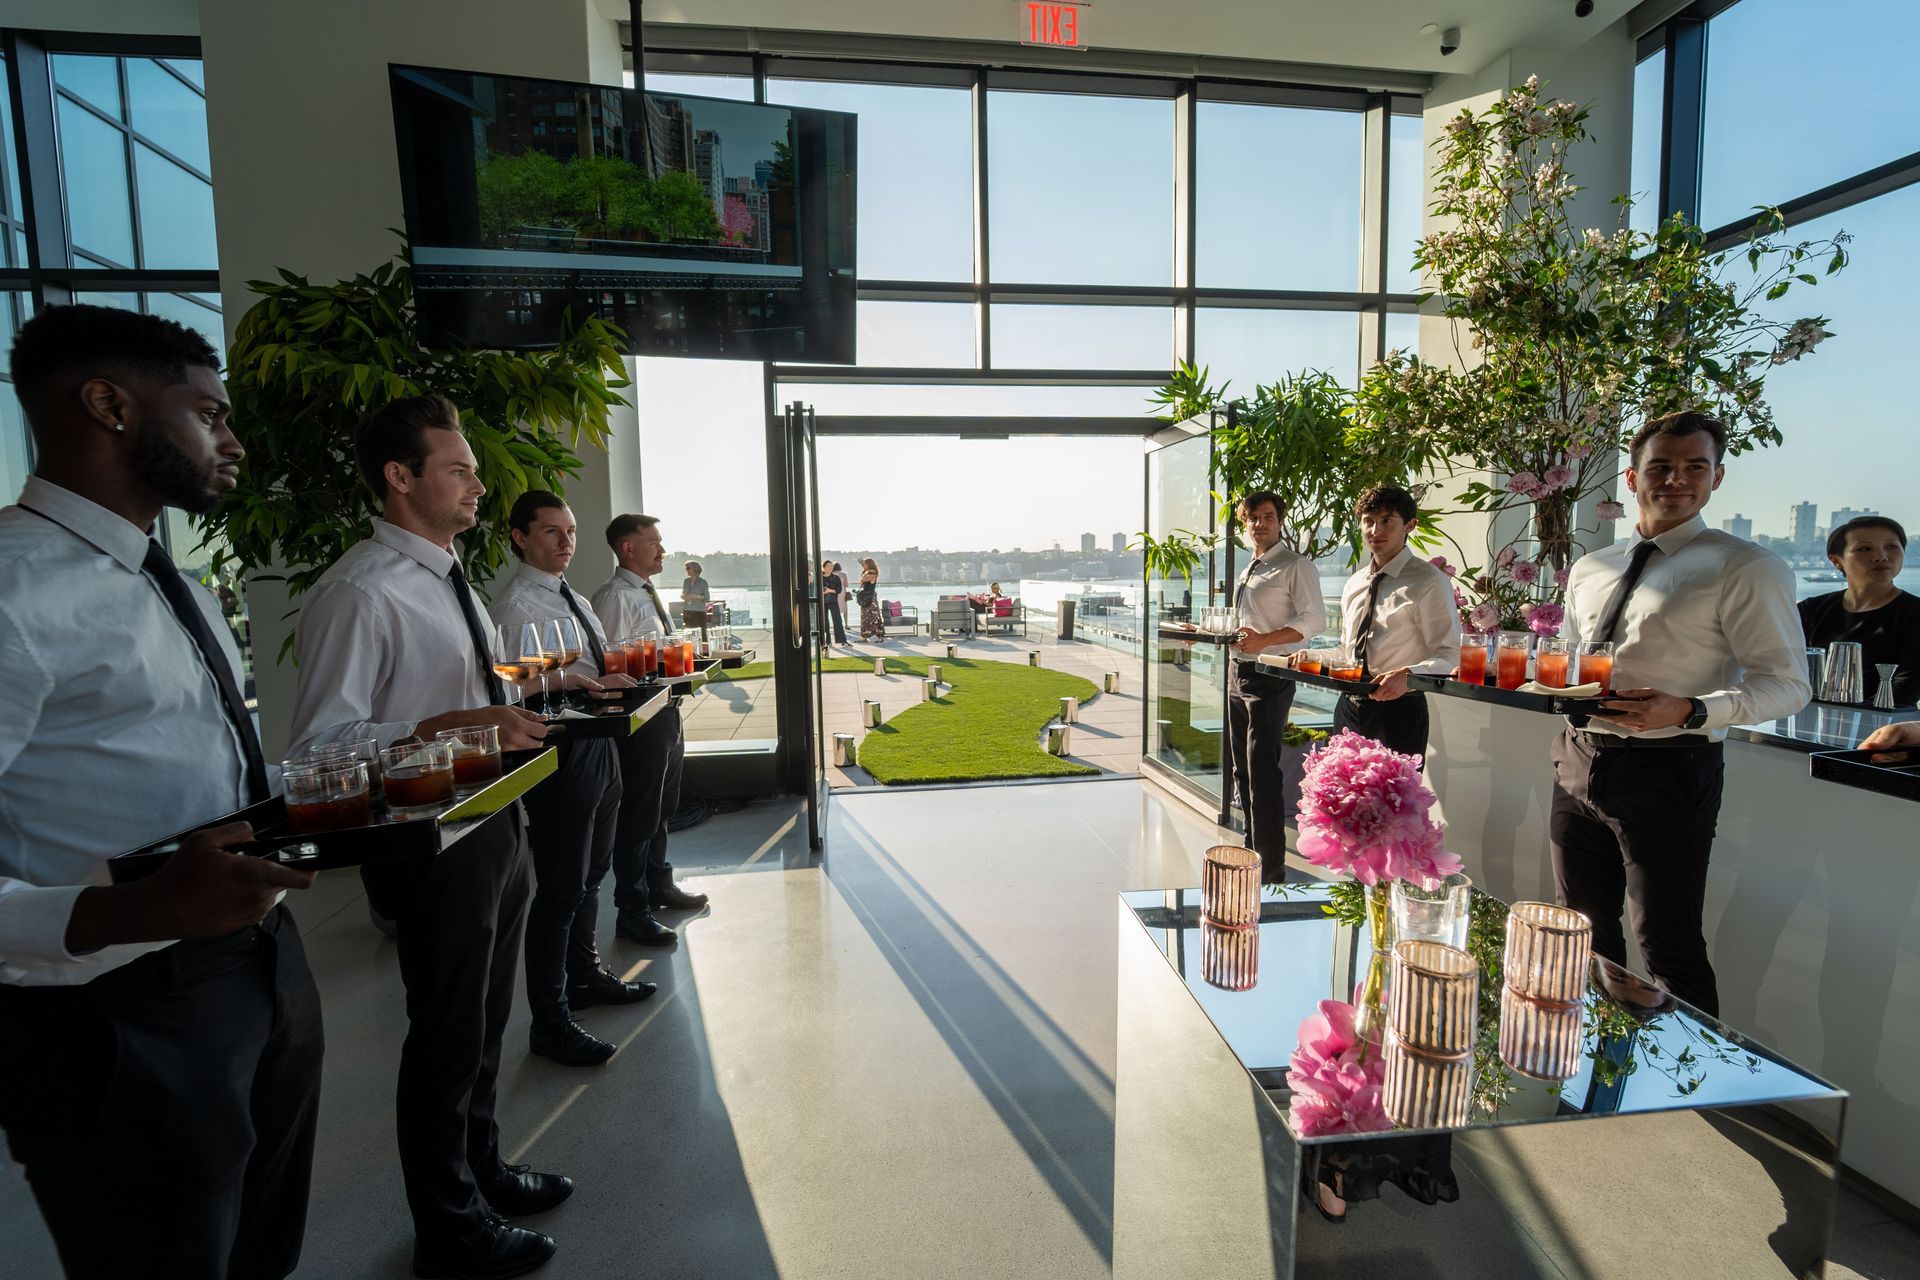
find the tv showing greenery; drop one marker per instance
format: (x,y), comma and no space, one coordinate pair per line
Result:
(701,226)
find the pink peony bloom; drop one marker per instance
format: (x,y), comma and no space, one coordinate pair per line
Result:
(1524,483)
(1485,616)
(1524,572)
(1334,1091)
(1610,510)
(1363,811)
(1459,600)
(1440,563)
(1560,577)
(1545,619)
(1506,557)
(1557,478)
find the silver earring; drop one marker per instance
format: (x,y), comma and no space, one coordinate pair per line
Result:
(119,426)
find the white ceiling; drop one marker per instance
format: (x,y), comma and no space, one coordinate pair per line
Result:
(1350,33)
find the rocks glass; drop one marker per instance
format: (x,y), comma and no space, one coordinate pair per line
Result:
(1437,914)
(1510,658)
(419,778)
(1230,886)
(324,795)
(365,750)
(1554,662)
(1474,646)
(1596,664)
(476,754)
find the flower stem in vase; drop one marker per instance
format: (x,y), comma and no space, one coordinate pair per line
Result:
(1371,1021)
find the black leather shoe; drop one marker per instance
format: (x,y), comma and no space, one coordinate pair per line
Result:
(604,988)
(494,1252)
(517,1190)
(570,1045)
(640,927)
(671,897)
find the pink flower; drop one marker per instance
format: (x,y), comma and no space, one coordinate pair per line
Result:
(1557,478)
(1440,563)
(1485,616)
(1579,449)
(1544,619)
(1334,1089)
(1506,557)
(1459,600)
(1610,510)
(1524,572)
(1560,577)
(1524,483)
(1363,811)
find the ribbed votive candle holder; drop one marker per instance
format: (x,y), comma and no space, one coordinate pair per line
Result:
(1436,997)
(1423,1090)
(1540,1040)
(1230,886)
(1547,952)
(1229,958)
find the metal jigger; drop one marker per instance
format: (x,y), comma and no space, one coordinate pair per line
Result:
(1883,696)
(1845,677)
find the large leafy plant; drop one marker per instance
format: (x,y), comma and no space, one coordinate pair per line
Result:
(310,361)
(1570,337)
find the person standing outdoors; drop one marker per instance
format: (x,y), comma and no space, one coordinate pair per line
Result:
(1397,617)
(392,646)
(160,1040)
(1279,604)
(872,622)
(651,761)
(833,591)
(696,599)
(1705,636)
(571,816)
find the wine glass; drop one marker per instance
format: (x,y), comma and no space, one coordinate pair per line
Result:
(571,647)
(512,669)
(534,654)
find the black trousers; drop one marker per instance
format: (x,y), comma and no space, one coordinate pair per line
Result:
(1400,725)
(1634,826)
(459,919)
(570,830)
(835,620)
(1257,707)
(650,767)
(165,1111)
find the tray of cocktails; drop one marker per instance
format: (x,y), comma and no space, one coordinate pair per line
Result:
(1529,698)
(1890,771)
(419,810)
(616,717)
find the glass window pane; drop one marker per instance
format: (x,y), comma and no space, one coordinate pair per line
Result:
(10,196)
(190,68)
(168,112)
(1406,200)
(176,215)
(738,88)
(1649,121)
(1403,332)
(1255,347)
(93,161)
(14,309)
(201,319)
(916,335)
(93,77)
(916,174)
(1279,197)
(1848,109)
(1080,189)
(124,301)
(986,402)
(1035,336)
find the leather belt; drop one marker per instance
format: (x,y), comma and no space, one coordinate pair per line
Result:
(1617,742)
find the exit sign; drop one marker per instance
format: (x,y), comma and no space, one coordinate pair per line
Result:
(1058,26)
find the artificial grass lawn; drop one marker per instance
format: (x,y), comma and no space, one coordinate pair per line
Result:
(985,728)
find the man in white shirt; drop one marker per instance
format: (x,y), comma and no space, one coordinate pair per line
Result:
(1705,636)
(571,815)
(1279,603)
(652,760)
(160,1040)
(392,645)
(1397,617)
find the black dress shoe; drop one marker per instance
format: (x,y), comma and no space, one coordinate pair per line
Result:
(671,897)
(494,1252)
(570,1045)
(603,988)
(638,926)
(517,1190)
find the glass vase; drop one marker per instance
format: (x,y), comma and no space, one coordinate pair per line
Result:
(1370,1018)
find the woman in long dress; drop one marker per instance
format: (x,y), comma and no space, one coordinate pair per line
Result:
(871,622)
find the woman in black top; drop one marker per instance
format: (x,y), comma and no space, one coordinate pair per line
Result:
(1885,620)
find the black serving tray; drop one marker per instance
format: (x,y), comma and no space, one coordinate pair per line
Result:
(731,659)
(615,717)
(386,838)
(1898,774)
(1540,703)
(1198,637)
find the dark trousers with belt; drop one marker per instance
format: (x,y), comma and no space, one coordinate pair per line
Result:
(1632,824)
(1399,725)
(650,767)
(570,830)
(459,918)
(1257,707)
(165,1111)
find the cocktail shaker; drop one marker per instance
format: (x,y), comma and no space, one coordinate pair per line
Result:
(1845,678)
(1883,696)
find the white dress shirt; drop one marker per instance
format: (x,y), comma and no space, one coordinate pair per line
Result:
(113,734)
(1712,618)
(1415,622)
(534,596)
(1278,590)
(624,607)
(383,644)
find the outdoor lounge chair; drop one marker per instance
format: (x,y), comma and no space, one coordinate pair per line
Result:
(1005,615)
(951,615)
(895,616)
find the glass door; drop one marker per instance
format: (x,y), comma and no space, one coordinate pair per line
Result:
(807,632)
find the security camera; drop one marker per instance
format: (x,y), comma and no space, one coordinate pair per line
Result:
(1449,41)
(1582,8)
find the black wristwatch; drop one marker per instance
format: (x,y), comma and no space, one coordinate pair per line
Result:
(1698,720)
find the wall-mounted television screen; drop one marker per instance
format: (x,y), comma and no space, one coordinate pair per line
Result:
(701,226)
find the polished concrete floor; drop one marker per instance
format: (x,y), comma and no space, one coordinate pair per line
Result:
(894,1062)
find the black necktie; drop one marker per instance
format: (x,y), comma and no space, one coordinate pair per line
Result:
(658,608)
(1617,604)
(180,597)
(586,627)
(482,650)
(1365,633)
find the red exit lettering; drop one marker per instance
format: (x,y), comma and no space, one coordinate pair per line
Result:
(1057,25)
